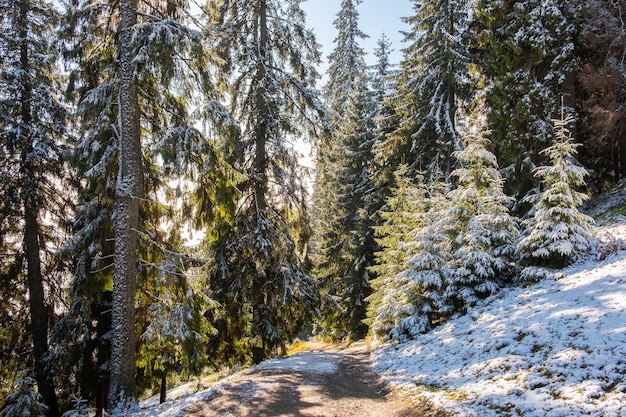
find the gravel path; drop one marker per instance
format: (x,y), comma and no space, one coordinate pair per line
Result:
(326,381)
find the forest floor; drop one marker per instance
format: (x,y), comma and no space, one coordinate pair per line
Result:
(320,381)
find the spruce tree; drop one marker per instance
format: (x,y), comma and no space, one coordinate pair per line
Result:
(177,328)
(35,186)
(556,233)
(383,77)
(430,86)
(426,269)
(344,237)
(170,70)
(259,274)
(527,49)
(24,400)
(484,233)
(403,213)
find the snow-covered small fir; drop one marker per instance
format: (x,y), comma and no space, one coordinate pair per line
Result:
(557,233)
(484,233)
(24,400)
(391,300)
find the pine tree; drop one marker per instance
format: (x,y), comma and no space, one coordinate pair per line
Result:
(403,213)
(35,186)
(557,233)
(602,93)
(171,72)
(24,400)
(484,232)
(430,86)
(426,269)
(259,273)
(529,57)
(344,237)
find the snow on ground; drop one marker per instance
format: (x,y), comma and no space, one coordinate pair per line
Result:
(186,395)
(557,348)
(302,362)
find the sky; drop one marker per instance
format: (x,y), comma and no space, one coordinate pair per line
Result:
(376,17)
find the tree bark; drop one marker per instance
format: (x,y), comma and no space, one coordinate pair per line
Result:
(38,310)
(163,393)
(128,193)
(622,151)
(260,160)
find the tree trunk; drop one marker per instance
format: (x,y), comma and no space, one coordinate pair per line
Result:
(163,396)
(128,193)
(38,311)
(260,160)
(622,151)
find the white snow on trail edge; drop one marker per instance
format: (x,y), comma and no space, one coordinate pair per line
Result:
(303,362)
(309,362)
(557,348)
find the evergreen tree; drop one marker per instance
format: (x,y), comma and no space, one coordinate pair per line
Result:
(430,86)
(171,72)
(24,400)
(260,276)
(602,81)
(484,231)
(557,233)
(528,52)
(177,330)
(382,87)
(425,273)
(35,186)
(129,191)
(345,242)
(403,213)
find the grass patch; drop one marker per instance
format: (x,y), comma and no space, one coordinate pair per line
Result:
(297,346)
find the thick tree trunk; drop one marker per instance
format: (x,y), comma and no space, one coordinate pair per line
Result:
(129,191)
(260,160)
(38,310)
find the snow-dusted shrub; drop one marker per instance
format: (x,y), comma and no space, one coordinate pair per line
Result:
(24,400)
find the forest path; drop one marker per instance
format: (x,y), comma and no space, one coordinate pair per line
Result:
(323,381)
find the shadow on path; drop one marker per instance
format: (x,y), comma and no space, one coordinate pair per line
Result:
(294,387)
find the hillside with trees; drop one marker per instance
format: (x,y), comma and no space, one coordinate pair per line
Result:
(156,222)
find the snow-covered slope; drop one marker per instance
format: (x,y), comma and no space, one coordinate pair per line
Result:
(557,348)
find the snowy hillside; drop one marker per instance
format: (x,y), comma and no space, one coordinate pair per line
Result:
(557,348)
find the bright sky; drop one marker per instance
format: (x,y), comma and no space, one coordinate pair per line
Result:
(376,17)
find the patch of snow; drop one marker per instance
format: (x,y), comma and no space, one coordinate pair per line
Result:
(184,398)
(303,362)
(557,348)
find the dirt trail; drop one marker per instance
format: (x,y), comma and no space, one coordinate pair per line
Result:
(323,382)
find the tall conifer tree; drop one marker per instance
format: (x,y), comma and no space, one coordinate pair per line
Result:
(344,236)
(430,85)
(260,275)
(168,74)
(528,52)
(33,128)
